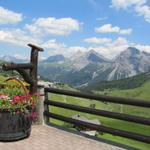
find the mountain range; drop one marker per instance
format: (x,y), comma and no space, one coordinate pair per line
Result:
(83,69)
(8,58)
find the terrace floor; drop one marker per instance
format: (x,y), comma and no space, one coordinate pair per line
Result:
(49,138)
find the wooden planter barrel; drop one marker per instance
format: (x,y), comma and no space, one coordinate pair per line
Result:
(14,126)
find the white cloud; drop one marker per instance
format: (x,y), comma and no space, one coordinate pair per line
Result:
(124,4)
(112,49)
(144,10)
(75,49)
(9,17)
(21,38)
(97,40)
(139,6)
(17,37)
(51,25)
(108,28)
(52,44)
(20,56)
(109,50)
(107,47)
(126,31)
(53,47)
(120,41)
(145,48)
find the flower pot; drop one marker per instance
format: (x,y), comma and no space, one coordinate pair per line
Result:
(14,126)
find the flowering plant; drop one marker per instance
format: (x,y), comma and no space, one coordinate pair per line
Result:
(15,98)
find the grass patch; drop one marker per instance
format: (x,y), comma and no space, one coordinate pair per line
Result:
(141,92)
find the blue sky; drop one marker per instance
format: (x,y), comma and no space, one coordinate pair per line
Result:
(69,26)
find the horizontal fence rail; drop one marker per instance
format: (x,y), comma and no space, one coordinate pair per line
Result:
(104,113)
(101,128)
(118,100)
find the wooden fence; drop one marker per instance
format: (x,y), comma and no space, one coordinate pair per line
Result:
(104,113)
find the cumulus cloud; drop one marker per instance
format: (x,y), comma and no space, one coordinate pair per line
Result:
(145,48)
(17,37)
(144,10)
(53,26)
(9,17)
(108,28)
(112,49)
(115,47)
(54,47)
(124,4)
(75,49)
(107,47)
(139,6)
(97,40)
(109,50)
(20,56)
(52,44)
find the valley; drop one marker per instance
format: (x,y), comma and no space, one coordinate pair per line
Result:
(141,92)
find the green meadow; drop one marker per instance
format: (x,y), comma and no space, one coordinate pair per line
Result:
(140,93)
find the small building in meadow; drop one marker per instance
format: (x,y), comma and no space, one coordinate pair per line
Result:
(46,83)
(85,129)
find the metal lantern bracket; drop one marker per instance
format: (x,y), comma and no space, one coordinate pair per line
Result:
(30,76)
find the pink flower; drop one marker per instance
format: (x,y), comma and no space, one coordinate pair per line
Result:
(16,99)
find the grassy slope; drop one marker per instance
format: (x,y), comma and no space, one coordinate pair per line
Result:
(127,83)
(140,92)
(2,78)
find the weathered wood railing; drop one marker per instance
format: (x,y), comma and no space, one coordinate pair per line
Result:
(104,113)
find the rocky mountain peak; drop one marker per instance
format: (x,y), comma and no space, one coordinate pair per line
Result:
(95,57)
(133,50)
(129,53)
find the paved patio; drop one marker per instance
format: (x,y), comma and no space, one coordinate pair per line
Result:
(50,138)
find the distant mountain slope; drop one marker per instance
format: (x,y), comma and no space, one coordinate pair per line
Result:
(13,59)
(75,71)
(83,68)
(81,60)
(129,63)
(127,83)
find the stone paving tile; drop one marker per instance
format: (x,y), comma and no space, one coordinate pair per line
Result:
(50,138)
